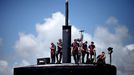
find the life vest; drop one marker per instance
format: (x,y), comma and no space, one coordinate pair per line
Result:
(59,45)
(75,46)
(53,48)
(91,47)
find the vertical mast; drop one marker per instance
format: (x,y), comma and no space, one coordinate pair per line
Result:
(66,19)
(66,37)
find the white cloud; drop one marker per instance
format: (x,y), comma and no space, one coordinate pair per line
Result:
(52,27)
(112,20)
(3,67)
(105,38)
(47,32)
(26,45)
(130,46)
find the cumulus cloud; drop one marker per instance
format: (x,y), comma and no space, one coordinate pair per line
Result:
(35,46)
(130,46)
(30,46)
(112,20)
(114,36)
(104,37)
(26,44)
(3,67)
(47,32)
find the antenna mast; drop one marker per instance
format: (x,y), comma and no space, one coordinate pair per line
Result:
(66,18)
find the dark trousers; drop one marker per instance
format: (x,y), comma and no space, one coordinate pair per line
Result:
(76,57)
(59,57)
(87,55)
(53,59)
(83,56)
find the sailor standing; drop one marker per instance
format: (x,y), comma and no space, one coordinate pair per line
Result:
(53,49)
(59,51)
(75,48)
(92,51)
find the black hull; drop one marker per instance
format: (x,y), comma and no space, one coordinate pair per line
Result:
(66,69)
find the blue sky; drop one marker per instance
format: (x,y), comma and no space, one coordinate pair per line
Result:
(23,15)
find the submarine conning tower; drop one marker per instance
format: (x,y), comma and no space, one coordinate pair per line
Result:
(66,36)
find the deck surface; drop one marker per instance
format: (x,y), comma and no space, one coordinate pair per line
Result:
(66,69)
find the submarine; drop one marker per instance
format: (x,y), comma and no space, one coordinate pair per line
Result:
(44,67)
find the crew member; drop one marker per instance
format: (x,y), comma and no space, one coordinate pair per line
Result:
(53,49)
(59,52)
(84,51)
(101,58)
(74,48)
(92,50)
